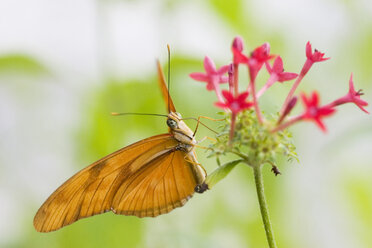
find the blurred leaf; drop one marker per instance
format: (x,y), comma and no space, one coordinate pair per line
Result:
(19,64)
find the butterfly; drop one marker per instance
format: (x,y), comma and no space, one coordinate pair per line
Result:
(145,179)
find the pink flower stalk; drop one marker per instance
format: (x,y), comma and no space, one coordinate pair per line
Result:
(212,77)
(352,96)
(277,74)
(231,78)
(259,56)
(236,105)
(238,58)
(288,109)
(313,111)
(312,57)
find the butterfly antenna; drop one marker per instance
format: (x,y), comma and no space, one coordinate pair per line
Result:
(169,62)
(116,114)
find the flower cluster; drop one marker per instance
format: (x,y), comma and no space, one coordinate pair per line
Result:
(257,138)
(234,101)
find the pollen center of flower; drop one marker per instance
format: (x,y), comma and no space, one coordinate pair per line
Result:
(235,106)
(313,111)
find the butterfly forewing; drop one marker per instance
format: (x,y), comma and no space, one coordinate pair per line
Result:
(147,178)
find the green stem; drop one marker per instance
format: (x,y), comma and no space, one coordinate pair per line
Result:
(263,206)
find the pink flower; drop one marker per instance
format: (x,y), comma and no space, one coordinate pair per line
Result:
(352,96)
(277,74)
(312,57)
(258,57)
(262,53)
(277,71)
(315,56)
(237,50)
(235,104)
(212,77)
(313,111)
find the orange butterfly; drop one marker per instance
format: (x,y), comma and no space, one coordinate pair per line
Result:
(148,178)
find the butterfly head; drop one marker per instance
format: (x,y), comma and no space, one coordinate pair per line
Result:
(174,119)
(181,131)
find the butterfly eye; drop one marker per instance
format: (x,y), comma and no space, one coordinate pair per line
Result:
(172,123)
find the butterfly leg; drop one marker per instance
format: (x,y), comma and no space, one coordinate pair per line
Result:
(191,161)
(198,165)
(202,147)
(198,169)
(204,117)
(206,137)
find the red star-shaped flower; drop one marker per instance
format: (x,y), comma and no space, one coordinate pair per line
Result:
(315,56)
(352,96)
(277,71)
(313,111)
(212,77)
(235,104)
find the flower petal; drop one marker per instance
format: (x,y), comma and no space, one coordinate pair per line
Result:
(228,96)
(286,76)
(309,52)
(315,99)
(223,79)
(220,104)
(351,84)
(210,86)
(241,98)
(320,124)
(278,65)
(239,57)
(223,69)
(209,65)
(198,76)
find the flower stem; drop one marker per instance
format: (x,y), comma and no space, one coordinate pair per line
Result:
(288,123)
(255,102)
(263,206)
(272,79)
(232,128)
(236,80)
(305,69)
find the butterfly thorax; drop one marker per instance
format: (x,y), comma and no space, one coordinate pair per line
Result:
(180,130)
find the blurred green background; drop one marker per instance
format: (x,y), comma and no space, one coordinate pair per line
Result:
(64,66)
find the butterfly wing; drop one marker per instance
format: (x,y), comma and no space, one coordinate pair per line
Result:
(145,179)
(164,90)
